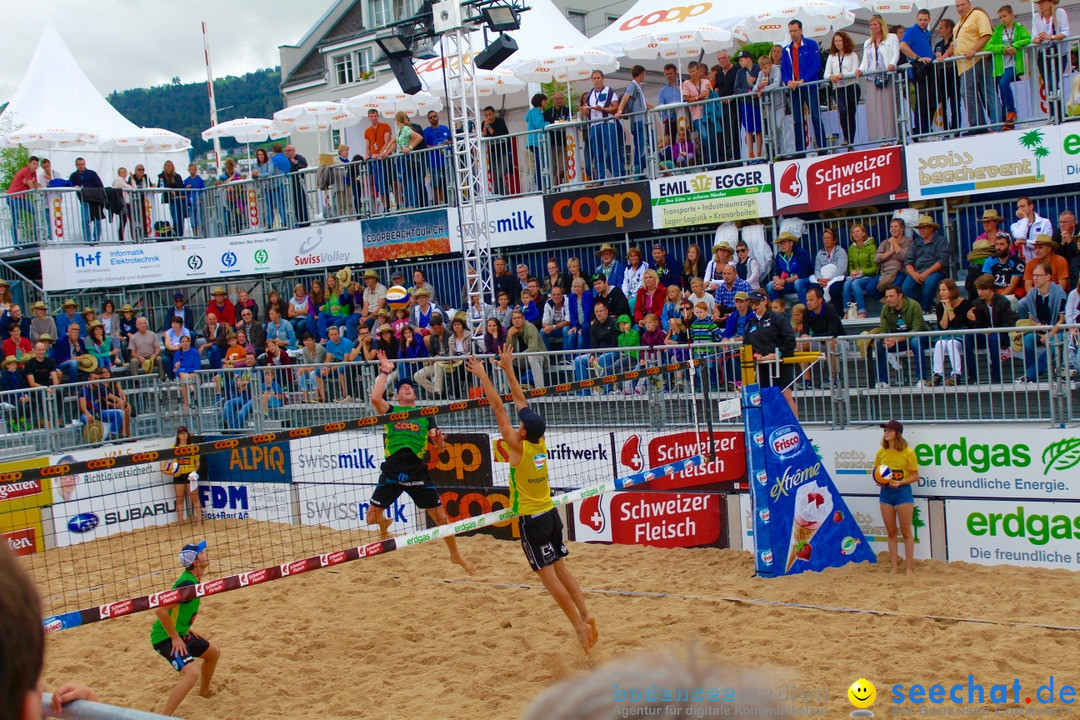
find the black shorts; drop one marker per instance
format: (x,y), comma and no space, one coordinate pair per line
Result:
(196,646)
(784,378)
(403,472)
(541,538)
(426,497)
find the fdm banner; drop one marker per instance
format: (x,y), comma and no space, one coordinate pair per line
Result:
(801,522)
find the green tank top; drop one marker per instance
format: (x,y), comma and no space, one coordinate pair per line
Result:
(183,615)
(411,434)
(333,305)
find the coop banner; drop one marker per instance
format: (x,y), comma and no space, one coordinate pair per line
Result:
(1018,532)
(20,508)
(711,198)
(801,521)
(964,461)
(1022,161)
(395,237)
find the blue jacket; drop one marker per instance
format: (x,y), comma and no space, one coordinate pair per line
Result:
(189,360)
(736,324)
(799,264)
(586,304)
(809,62)
(284,331)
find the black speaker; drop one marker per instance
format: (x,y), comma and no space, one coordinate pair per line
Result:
(495,53)
(405,74)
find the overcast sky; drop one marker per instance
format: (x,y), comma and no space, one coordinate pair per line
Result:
(122,44)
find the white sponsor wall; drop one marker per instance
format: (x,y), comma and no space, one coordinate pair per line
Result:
(80,521)
(101,482)
(1023,161)
(267,502)
(963,460)
(1021,532)
(343,507)
(511,222)
(70,268)
(712,197)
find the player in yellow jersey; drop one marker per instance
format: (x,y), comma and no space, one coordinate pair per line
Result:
(530,497)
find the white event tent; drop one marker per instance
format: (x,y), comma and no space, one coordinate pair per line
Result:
(55,92)
(543,27)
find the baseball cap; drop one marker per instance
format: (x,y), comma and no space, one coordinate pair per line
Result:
(533,423)
(741,296)
(189,552)
(893,425)
(178,296)
(744,54)
(403,382)
(758,296)
(599,276)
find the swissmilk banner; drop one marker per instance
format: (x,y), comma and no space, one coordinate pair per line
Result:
(801,521)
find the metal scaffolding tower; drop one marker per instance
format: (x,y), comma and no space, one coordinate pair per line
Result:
(470,168)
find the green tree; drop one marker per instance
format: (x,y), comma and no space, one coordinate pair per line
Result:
(11,159)
(917,522)
(1033,141)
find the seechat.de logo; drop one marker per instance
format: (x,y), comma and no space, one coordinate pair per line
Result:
(228,259)
(785,441)
(83,523)
(194,262)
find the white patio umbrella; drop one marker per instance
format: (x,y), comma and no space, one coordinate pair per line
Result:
(494,82)
(147,140)
(819,18)
(685,42)
(245,130)
(316,117)
(50,138)
(390,103)
(903,7)
(565,64)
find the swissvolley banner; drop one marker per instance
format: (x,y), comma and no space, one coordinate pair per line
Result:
(801,522)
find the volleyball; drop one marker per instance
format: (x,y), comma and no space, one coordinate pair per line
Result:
(883,475)
(172,467)
(397,297)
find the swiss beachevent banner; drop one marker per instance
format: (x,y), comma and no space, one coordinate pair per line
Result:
(710,198)
(75,267)
(963,461)
(801,521)
(1020,161)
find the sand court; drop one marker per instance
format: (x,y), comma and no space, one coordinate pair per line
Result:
(408,634)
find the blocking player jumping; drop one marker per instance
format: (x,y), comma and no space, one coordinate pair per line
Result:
(539,523)
(173,638)
(408,444)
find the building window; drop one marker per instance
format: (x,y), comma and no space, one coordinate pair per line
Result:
(344,69)
(335,139)
(381,13)
(365,63)
(577,19)
(612,18)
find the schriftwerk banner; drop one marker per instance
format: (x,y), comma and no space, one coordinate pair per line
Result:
(801,521)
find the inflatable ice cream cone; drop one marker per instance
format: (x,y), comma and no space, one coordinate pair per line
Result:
(813,504)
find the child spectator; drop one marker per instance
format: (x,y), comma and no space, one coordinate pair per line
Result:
(628,337)
(653,336)
(529,308)
(671,306)
(683,153)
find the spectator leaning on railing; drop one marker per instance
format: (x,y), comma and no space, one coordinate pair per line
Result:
(881,53)
(917,48)
(1007,44)
(801,64)
(972,34)
(1050,26)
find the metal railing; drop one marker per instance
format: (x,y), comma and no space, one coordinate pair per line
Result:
(87,710)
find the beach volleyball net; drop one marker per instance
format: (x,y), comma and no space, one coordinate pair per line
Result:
(104,533)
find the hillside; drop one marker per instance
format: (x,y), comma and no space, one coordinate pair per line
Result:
(185,108)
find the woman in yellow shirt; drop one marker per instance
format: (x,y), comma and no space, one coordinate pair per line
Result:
(897,500)
(185,479)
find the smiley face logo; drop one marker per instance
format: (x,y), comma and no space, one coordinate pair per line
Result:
(862,693)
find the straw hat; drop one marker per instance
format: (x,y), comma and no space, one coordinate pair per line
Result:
(384,328)
(371,274)
(39,306)
(87,363)
(45,337)
(786,236)
(991,215)
(10,359)
(127,308)
(70,303)
(1044,239)
(926,221)
(344,276)
(722,245)
(4,283)
(92,325)
(422,292)
(606,247)
(217,290)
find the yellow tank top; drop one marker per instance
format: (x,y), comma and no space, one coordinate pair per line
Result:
(530,492)
(187,465)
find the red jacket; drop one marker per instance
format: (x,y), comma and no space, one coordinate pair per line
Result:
(225,315)
(643,306)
